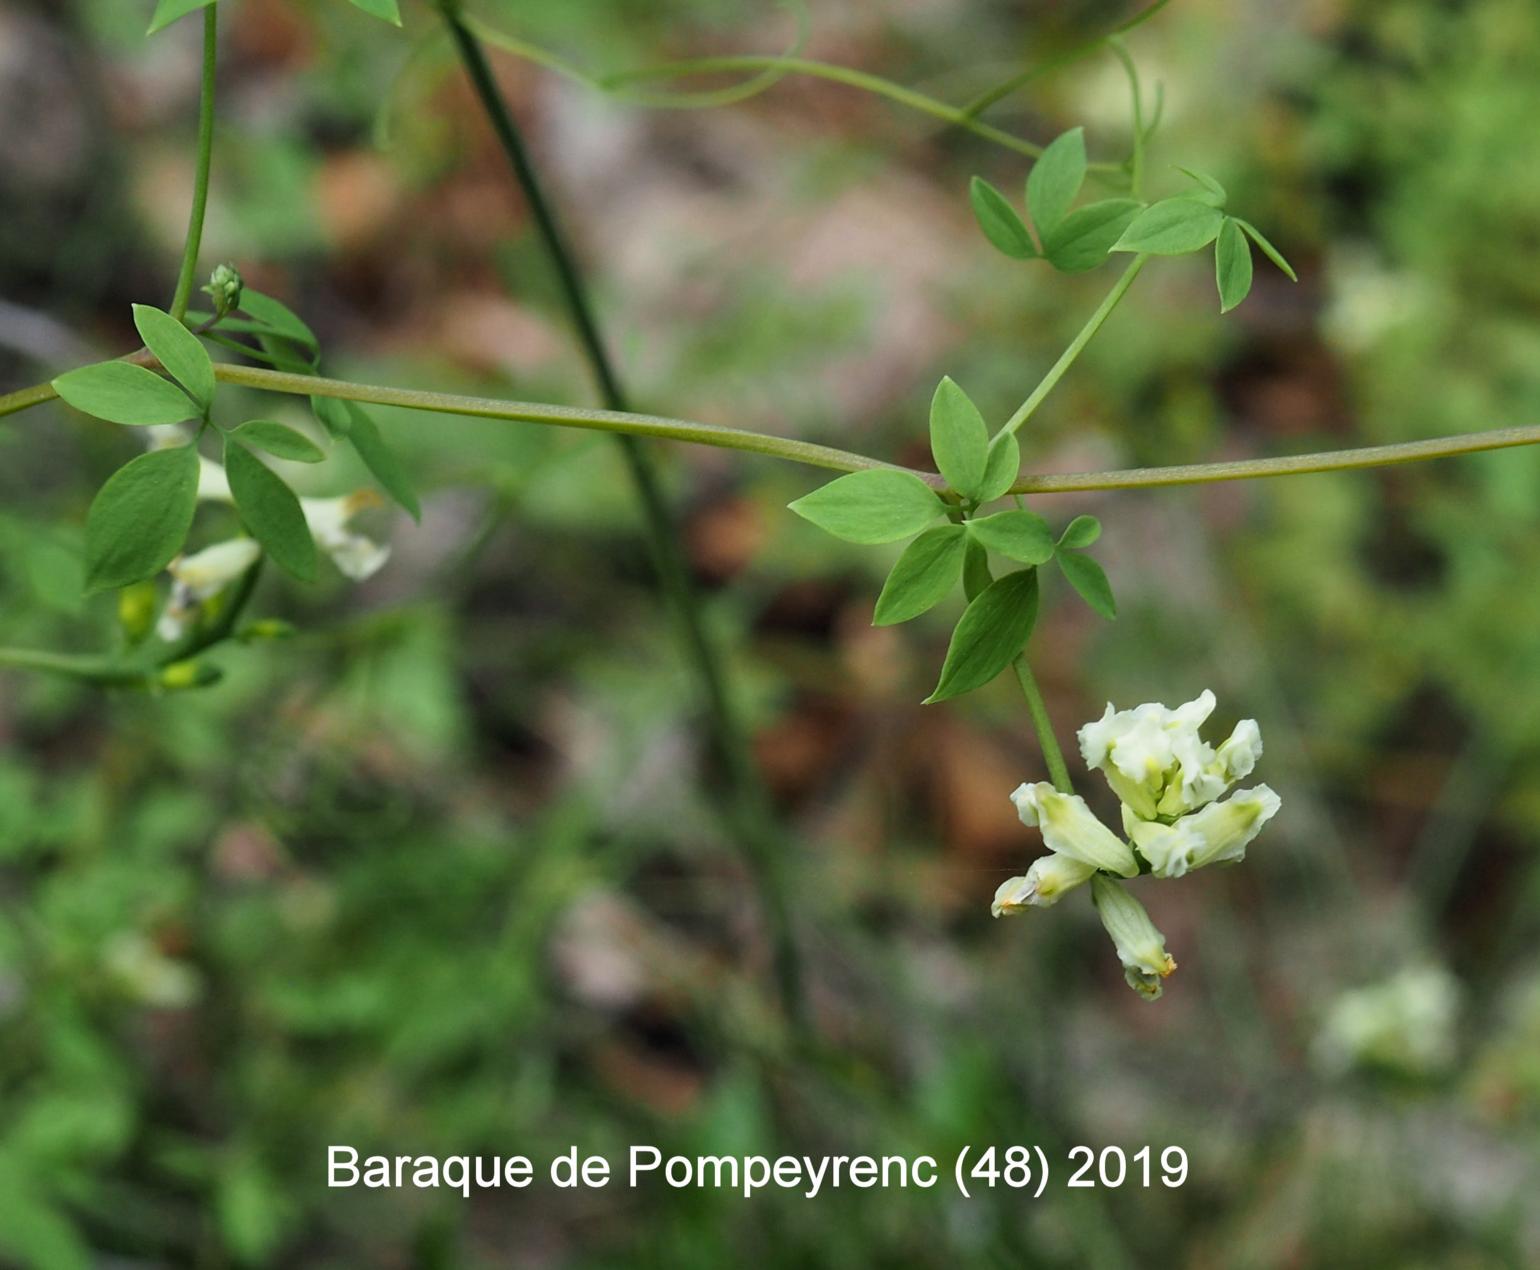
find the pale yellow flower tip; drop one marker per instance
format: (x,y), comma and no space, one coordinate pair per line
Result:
(1045,883)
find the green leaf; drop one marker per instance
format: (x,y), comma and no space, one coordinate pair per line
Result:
(921,577)
(277,317)
(382,461)
(168,11)
(38,1230)
(139,519)
(279,440)
(385,9)
(1214,191)
(121,392)
(1001,468)
(1232,265)
(1172,227)
(976,574)
(1083,239)
(179,351)
(998,219)
(993,629)
(1081,532)
(1268,250)
(1021,535)
(879,505)
(270,511)
(959,439)
(1055,179)
(332,412)
(1088,577)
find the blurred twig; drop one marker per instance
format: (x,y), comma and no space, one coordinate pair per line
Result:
(744,802)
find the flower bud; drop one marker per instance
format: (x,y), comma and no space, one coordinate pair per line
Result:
(1043,884)
(224,288)
(264,630)
(1141,948)
(136,610)
(188,674)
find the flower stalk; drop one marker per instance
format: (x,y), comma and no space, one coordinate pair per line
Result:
(204,162)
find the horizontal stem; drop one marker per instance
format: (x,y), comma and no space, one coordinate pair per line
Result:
(1290,465)
(637,425)
(845,461)
(987,99)
(26,398)
(851,78)
(826,456)
(77,665)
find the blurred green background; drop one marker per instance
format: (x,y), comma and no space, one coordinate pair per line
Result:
(436,876)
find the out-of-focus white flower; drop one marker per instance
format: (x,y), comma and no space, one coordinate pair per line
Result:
(148,975)
(1070,828)
(162,436)
(1048,878)
(213,485)
(357,556)
(1369,301)
(1141,948)
(200,577)
(1215,834)
(1157,763)
(1405,1024)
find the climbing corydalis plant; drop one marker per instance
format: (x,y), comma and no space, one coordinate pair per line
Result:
(1166,776)
(140,521)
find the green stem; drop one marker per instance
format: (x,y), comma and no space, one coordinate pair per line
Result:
(1136,159)
(987,99)
(26,398)
(829,457)
(746,806)
(1067,358)
(1043,725)
(184,281)
(824,456)
(957,116)
(87,666)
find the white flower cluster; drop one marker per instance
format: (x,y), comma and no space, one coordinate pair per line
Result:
(198,578)
(1169,780)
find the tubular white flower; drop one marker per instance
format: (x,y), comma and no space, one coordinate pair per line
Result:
(1238,755)
(1071,829)
(1141,948)
(200,577)
(1043,884)
(1156,762)
(357,556)
(1218,833)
